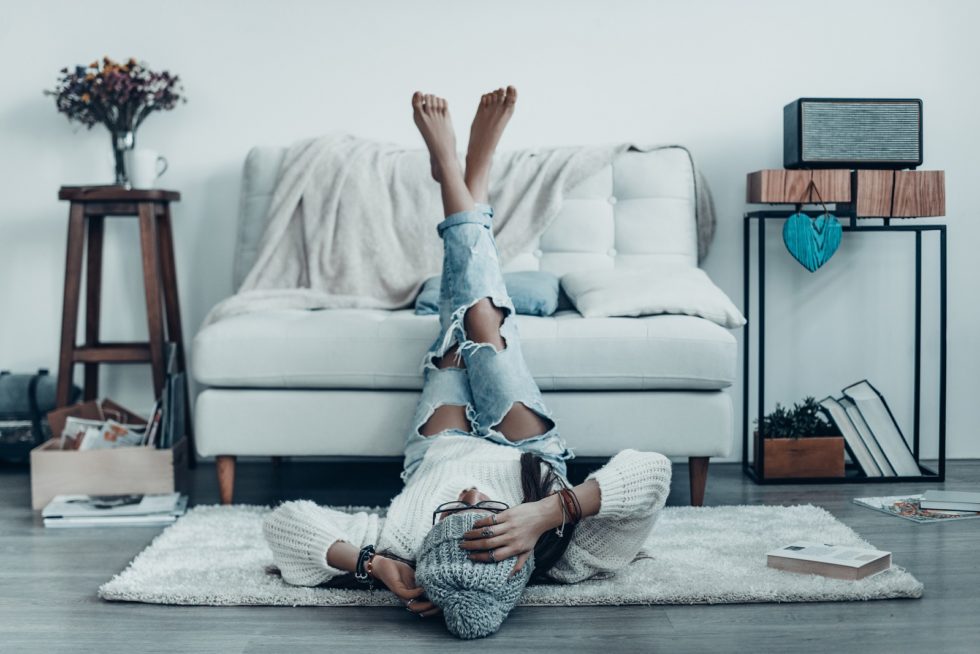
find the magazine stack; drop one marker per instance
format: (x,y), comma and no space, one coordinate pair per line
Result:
(114,510)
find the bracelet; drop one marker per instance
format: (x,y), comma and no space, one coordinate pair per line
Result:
(560,531)
(578,506)
(362,569)
(571,504)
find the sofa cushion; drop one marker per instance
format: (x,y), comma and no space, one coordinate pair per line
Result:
(661,289)
(375,349)
(533,292)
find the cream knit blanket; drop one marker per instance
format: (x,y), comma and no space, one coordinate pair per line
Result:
(353,221)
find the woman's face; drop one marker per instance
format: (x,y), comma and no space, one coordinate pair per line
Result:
(470,495)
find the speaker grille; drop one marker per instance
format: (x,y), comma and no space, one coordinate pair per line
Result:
(874,131)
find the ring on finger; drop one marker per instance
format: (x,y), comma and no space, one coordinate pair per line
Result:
(487,532)
(492,557)
(410,602)
(493,518)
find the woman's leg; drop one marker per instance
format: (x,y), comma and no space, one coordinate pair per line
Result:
(483,324)
(476,308)
(445,404)
(431,115)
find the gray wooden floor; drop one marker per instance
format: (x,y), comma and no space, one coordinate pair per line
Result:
(48,581)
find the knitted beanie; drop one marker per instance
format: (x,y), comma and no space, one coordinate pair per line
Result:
(475,597)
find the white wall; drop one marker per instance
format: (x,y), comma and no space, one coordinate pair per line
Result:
(711,75)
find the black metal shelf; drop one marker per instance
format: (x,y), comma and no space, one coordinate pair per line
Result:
(850,224)
(852,475)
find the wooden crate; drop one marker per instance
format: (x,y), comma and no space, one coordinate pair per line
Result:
(917,193)
(105,472)
(778,186)
(814,456)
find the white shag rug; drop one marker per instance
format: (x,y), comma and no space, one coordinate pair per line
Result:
(215,555)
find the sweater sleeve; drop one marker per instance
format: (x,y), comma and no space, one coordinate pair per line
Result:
(300,532)
(634,487)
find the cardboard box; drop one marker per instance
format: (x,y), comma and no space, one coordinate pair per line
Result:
(115,471)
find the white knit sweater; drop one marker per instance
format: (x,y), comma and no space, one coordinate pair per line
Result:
(633,485)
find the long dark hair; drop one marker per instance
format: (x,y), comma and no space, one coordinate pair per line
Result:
(550,547)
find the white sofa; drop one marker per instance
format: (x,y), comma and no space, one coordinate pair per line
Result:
(344,382)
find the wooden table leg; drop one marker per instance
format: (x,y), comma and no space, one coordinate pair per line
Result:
(151,283)
(171,300)
(93,295)
(225,466)
(69,309)
(698,472)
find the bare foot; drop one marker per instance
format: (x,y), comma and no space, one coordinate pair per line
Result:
(492,116)
(431,115)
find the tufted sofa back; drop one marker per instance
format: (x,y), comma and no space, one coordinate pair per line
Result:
(636,212)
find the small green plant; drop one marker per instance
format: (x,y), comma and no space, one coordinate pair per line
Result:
(803,420)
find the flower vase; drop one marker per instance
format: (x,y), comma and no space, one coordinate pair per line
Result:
(121,142)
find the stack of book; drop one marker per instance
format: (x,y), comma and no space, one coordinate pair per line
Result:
(961,501)
(114,510)
(872,436)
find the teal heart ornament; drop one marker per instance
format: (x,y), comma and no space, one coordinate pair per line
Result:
(812,241)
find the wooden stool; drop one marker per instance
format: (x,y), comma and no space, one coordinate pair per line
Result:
(90,205)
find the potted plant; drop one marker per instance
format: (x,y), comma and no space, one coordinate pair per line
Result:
(798,442)
(118,95)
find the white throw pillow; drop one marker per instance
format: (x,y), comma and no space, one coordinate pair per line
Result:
(650,291)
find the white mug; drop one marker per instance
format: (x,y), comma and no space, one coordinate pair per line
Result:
(143,167)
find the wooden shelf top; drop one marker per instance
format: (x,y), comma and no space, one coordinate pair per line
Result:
(113,193)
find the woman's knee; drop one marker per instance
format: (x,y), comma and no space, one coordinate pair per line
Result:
(483,321)
(445,417)
(521,422)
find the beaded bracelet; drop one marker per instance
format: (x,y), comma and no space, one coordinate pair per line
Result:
(361,569)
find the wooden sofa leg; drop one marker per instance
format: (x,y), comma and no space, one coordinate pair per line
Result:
(226,478)
(698,472)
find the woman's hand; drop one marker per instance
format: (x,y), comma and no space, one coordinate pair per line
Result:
(513,532)
(399,578)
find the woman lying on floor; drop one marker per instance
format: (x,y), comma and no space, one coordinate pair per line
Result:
(486,506)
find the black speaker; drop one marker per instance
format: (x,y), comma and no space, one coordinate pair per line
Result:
(852,133)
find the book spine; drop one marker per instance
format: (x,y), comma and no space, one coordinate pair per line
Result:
(869,441)
(812,568)
(883,427)
(859,451)
(949,506)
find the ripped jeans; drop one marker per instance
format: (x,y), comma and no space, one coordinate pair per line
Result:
(491,381)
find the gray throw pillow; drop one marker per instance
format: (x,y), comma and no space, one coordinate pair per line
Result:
(534,293)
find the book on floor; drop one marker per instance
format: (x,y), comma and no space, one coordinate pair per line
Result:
(855,444)
(121,521)
(836,561)
(950,500)
(113,510)
(881,423)
(908,508)
(854,415)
